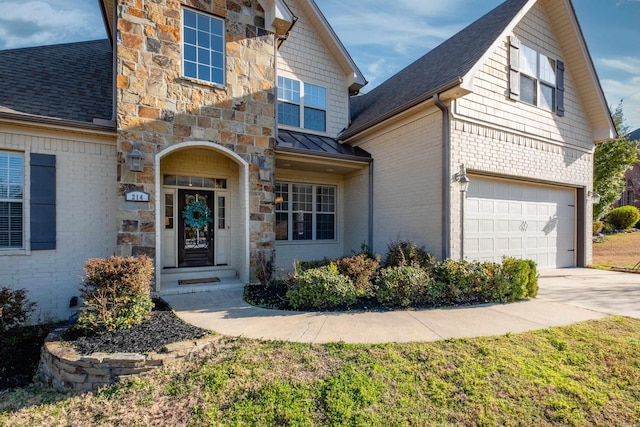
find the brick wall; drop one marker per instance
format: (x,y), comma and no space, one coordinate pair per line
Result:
(86,203)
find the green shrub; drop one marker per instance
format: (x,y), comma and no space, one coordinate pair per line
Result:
(322,287)
(403,286)
(623,218)
(361,270)
(461,281)
(14,307)
(402,253)
(116,292)
(308,265)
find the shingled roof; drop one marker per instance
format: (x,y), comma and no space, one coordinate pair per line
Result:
(441,68)
(635,135)
(70,81)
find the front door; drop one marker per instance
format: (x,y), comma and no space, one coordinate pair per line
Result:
(195,228)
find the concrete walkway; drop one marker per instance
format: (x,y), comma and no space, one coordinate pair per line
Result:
(566,296)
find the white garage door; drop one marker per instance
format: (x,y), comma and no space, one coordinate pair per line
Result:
(520,220)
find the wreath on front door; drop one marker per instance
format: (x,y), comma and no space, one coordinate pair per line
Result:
(197,215)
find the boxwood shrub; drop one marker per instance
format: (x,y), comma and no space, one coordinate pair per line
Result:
(623,218)
(320,288)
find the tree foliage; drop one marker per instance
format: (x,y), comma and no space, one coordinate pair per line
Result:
(611,160)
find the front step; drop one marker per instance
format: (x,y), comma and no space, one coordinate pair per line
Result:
(197,273)
(170,280)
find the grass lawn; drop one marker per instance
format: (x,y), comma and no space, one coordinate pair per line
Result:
(585,374)
(617,250)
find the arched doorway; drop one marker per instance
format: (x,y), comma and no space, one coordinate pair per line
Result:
(202,213)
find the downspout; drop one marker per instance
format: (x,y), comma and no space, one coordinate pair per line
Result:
(446,174)
(371,205)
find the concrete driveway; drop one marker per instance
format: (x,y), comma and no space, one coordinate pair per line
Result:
(608,292)
(566,296)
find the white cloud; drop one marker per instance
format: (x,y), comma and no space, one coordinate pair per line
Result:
(38,22)
(628,64)
(628,91)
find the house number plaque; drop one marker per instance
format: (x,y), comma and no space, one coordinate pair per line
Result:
(137,196)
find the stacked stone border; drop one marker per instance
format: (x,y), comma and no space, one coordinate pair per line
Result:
(63,369)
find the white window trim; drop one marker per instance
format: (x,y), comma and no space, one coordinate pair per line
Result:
(222,85)
(26,212)
(290,213)
(301,106)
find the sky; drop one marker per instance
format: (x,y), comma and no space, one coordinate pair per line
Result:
(382,36)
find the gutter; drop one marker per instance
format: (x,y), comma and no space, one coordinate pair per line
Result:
(310,153)
(350,133)
(53,122)
(446,173)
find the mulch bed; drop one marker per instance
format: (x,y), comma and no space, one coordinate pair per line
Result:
(162,328)
(20,347)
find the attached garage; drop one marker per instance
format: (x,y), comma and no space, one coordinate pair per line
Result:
(520,220)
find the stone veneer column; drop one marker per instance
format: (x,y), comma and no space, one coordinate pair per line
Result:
(157,107)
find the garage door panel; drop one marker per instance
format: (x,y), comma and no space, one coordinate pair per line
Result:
(521,220)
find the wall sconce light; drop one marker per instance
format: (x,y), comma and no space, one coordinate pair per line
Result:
(264,171)
(462,179)
(595,197)
(135,159)
(279,199)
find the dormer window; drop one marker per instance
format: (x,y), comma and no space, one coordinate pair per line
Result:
(203,47)
(302,105)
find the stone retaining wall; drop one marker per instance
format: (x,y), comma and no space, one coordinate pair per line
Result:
(63,369)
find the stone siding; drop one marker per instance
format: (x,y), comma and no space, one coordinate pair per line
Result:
(157,107)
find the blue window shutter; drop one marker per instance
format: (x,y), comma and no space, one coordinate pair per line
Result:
(560,88)
(43,201)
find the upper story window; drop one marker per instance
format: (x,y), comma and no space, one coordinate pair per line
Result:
(203,47)
(535,78)
(305,212)
(11,200)
(302,105)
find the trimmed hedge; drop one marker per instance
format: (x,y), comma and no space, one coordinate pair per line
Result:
(623,218)
(449,282)
(321,288)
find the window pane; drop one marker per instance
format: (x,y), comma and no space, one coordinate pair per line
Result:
(288,114)
(203,39)
(547,70)
(528,90)
(190,69)
(204,72)
(302,226)
(203,22)
(282,197)
(222,213)
(216,43)
(217,75)
(204,56)
(528,61)
(189,19)
(314,119)
(326,199)
(288,89)
(190,53)
(325,227)
(315,96)
(282,226)
(10,225)
(302,197)
(547,97)
(190,36)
